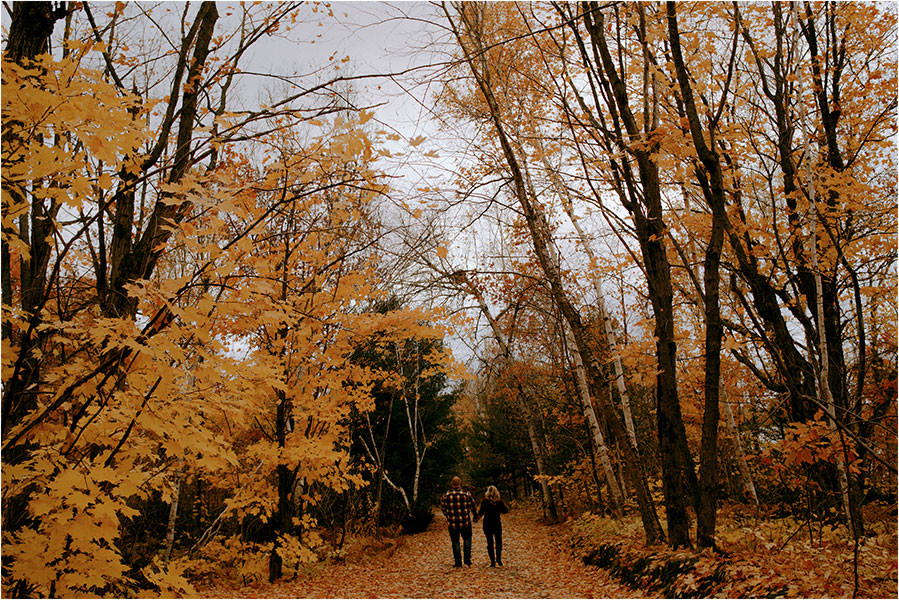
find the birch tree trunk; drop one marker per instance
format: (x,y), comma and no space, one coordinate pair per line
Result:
(173,516)
(416,428)
(598,440)
(822,383)
(580,373)
(608,328)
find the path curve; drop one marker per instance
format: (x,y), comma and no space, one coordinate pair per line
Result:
(536,557)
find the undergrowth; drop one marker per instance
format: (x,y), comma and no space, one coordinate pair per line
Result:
(756,557)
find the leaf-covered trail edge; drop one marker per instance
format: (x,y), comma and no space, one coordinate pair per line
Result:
(538,563)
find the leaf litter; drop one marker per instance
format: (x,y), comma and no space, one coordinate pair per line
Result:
(537,559)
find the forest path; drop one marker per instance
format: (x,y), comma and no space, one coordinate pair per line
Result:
(536,558)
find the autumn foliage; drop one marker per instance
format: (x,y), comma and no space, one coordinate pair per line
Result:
(227,359)
(668,237)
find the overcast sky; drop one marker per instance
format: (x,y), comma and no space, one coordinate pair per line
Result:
(408,39)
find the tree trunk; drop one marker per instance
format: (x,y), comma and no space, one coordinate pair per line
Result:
(282,520)
(138,261)
(173,516)
(593,471)
(827,316)
(711,181)
(742,466)
(608,328)
(678,472)
(824,380)
(416,429)
(621,473)
(30,29)
(598,441)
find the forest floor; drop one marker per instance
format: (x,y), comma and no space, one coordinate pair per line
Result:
(537,558)
(765,557)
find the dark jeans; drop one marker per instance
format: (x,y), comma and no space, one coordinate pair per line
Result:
(465,534)
(494,544)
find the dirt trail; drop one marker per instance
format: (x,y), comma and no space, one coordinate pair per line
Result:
(537,565)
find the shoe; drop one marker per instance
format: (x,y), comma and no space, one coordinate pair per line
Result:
(457,566)
(499,563)
(492,564)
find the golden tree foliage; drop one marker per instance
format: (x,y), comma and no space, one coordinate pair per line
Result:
(257,304)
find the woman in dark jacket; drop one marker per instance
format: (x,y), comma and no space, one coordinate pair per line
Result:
(491,508)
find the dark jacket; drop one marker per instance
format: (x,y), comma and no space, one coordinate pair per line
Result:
(491,512)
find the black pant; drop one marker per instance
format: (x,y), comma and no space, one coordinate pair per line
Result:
(494,544)
(465,534)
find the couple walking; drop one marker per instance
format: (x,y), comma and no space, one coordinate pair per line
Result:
(458,505)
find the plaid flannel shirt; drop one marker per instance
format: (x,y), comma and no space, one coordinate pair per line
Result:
(457,506)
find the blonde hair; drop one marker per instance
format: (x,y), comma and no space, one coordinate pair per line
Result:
(492,494)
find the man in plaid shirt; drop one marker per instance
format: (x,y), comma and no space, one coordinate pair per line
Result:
(458,506)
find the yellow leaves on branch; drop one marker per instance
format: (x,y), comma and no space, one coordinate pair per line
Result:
(352,145)
(74,111)
(365,116)
(263,292)
(170,577)
(77,512)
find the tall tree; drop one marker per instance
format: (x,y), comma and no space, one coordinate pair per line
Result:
(636,174)
(711,180)
(469,36)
